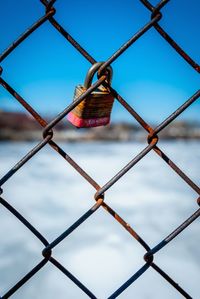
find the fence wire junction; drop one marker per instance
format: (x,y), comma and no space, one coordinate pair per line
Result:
(152,145)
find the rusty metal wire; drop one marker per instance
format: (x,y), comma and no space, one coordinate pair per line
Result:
(152,144)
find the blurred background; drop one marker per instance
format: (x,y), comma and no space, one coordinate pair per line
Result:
(155,80)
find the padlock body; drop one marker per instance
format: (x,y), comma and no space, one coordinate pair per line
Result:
(94,110)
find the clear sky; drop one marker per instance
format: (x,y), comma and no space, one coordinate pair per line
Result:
(45,68)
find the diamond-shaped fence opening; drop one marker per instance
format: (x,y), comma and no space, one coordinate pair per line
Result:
(100,192)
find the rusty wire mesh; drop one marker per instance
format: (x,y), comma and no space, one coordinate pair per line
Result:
(152,140)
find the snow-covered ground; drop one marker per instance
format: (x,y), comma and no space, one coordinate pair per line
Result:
(52,195)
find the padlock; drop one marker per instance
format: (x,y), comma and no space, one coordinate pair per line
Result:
(96,108)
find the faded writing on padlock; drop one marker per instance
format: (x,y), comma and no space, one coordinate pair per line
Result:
(96,108)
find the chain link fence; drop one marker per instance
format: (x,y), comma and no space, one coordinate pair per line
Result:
(152,145)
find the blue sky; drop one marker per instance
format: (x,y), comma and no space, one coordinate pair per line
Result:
(45,68)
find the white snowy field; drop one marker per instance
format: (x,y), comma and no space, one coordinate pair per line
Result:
(100,253)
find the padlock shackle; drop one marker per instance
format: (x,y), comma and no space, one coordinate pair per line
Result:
(91,72)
